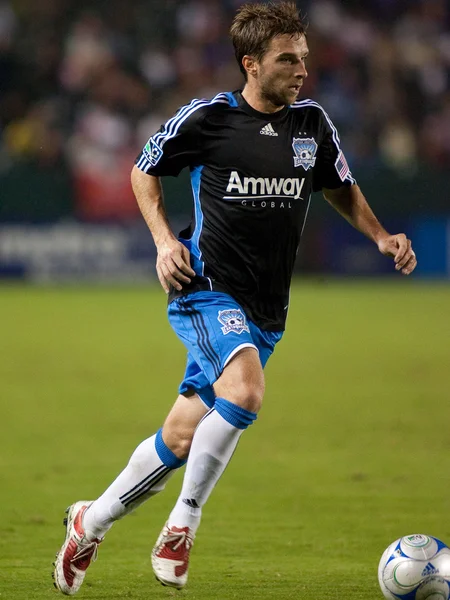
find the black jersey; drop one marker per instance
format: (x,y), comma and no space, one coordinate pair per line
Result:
(252,176)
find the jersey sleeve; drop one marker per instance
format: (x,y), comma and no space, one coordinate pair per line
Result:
(331,170)
(176,145)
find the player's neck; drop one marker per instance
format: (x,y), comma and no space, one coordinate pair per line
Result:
(254,98)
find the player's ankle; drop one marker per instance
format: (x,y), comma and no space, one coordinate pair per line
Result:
(185,514)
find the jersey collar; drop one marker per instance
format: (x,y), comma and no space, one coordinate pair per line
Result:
(242,102)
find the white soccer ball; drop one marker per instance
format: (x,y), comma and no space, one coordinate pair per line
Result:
(415,567)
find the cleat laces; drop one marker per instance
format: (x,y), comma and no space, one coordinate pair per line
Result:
(180,537)
(85,555)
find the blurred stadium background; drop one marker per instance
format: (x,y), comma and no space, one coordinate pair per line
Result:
(83,84)
(353,431)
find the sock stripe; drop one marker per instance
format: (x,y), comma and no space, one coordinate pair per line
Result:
(203,338)
(146,488)
(146,479)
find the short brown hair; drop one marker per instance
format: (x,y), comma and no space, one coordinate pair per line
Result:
(256,24)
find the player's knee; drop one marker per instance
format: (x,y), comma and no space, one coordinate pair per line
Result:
(254,398)
(182,447)
(178,440)
(242,381)
(249,395)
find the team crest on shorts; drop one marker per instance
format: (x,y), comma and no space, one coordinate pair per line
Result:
(152,152)
(305,152)
(233,320)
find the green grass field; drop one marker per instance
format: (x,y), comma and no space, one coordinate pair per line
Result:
(351,449)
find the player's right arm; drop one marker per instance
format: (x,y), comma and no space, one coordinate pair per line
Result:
(175,146)
(173,259)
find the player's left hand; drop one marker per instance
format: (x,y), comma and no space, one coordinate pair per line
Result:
(399,247)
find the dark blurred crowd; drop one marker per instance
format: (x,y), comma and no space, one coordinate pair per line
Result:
(84,84)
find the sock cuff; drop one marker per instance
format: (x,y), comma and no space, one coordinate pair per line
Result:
(234,414)
(165,454)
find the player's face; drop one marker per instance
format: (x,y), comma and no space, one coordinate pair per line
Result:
(282,70)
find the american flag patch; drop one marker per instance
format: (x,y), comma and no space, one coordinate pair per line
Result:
(342,166)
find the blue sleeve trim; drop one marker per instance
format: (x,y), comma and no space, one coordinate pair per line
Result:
(234,414)
(196,177)
(166,455)
(231,99)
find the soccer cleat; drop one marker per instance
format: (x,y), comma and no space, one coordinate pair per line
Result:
(76,553)
(170,556)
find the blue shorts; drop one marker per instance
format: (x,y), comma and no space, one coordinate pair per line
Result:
(214,327)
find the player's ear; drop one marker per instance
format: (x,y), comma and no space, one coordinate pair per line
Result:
(250,64)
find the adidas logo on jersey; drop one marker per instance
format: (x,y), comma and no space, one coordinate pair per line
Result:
(268,130)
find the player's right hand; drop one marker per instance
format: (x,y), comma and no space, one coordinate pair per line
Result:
(173,265)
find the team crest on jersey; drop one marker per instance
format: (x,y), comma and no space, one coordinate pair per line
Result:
(152,152)
(233,320)
(305,152)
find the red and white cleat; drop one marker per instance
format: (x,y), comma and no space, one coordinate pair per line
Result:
(170,556)
(76,553)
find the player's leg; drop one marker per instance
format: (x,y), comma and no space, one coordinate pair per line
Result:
(239,391)
(230,352)
(151,465)
(239,394)
(153,462)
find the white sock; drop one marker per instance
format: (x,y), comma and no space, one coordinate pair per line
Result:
(214,442)
(149,468)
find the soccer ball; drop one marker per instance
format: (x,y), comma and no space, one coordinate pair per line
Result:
(415,567)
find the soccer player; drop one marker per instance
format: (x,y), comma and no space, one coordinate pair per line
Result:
(254,157)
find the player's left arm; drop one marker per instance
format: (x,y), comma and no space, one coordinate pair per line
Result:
(350,202)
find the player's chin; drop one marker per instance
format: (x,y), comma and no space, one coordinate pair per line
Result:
(293,93)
